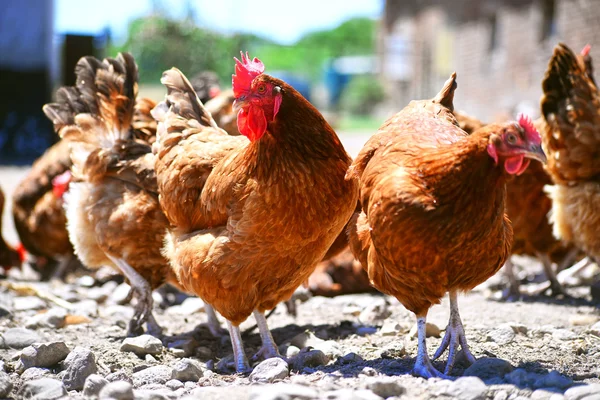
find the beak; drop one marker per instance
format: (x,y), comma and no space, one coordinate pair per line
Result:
(536,152)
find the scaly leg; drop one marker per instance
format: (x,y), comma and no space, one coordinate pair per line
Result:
(423,366)
(269,348)
(454,336)
(569,274)
(555,287)
(213,322)
(143,308)
(240,360)
(512,292)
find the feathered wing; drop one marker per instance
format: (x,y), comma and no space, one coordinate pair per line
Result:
(571,108)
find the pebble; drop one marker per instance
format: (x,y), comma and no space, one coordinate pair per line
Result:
(390,328)
(80,364)
(503,335)
(291,351)
(188,344)
(270,370)
(152,394)
(45,388)
(18,338)
(283,391)
(595,329)
(368,371)
(43,354)
(486,368)
(350,358)
(396,349)
(376,311)
(93,385)
(584,392)
(53,318)
(35,373)
(101,293)
(308,358)
(541,394)
(564,334)
(385,387)
(120,294)
(308,339)
(26,303)
(157,374)
(120,375)
(142,345)
(583,320)
(553,379)
(351,394)
(6,304)
(352,310)
(186,370)
(86,281)
(5,385)
(190,306)
(85,307)
(431,330)
(119,390)
(467,388)
(174,384)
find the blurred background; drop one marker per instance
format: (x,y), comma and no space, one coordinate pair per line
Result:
(358,61)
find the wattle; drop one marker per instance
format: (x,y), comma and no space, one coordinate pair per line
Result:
(252,122)
(516,165)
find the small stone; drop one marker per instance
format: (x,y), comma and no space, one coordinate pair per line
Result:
(390,328)
(518,328)
(120,375)
(584,392)
(431,330)
(350,358)
(467,388)
(520,377)
(595,329)
(368,371)
(190,306)
(5,385)
(352,394)
(553,379)
(85,307)
(186,370)
(179,353)
(374,312)
(45,388)
(33,373)
(53,318)
(142,345)
(43,354)
(120,294)
(188,344)
(18,338)
(119,390)
(564,334)
(366,330)
(308,339)
(86,281)
(204,353)
(157,374)
(541,394)
(93,385)
(486,368)
(80,364)
(385,387)
(291,351)
(503,335)
(583,320)
(395,349)
(309,358)
(26,303)
(282,391)
(352,310)
(150,359)
(174,384)
(270,370)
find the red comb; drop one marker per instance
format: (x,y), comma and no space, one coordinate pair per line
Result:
(533,136)
(586,50)
(245,72)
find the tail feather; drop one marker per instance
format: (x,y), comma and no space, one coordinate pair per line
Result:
(446,96)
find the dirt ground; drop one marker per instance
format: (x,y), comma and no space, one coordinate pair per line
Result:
(365,339)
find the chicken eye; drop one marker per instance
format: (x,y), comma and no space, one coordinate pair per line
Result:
(511,138)
(261,89)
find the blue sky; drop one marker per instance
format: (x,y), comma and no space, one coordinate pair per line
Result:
(281,20)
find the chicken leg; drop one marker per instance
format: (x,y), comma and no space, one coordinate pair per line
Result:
(555,287)
(239,356)
(512,292)
(423,366)
(143,308)
(269,348)
(455,336)
(214,326)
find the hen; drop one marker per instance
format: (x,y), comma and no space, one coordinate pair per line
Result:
(251,215)
(433,201)
(112,208)
(571,109)
(9,257)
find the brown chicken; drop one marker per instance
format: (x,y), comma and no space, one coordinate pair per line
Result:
(112,208)
(251,215)
(433,201)
(9,257)
(571,108)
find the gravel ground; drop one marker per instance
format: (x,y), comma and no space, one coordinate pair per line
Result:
(67,340)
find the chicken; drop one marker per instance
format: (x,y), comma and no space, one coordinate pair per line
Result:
(206,85)
(9,257)
(112,208)
(221,109)
(571,109)
(433,201)
(250,215)
(38,210)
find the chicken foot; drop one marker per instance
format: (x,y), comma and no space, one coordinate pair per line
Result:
(269,348)
(143,308)
(455,336)
(423,366)
(555,287)
(239,356)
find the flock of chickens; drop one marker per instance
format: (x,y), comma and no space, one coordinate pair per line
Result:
(241,216)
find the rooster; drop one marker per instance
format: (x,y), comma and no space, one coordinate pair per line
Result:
(250,215)
(9,257)
(112,208)
(571,110)
(433,201)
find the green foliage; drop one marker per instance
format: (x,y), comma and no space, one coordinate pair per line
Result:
(159,43)
(361,95)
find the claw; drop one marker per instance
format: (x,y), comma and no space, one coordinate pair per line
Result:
(423,366)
